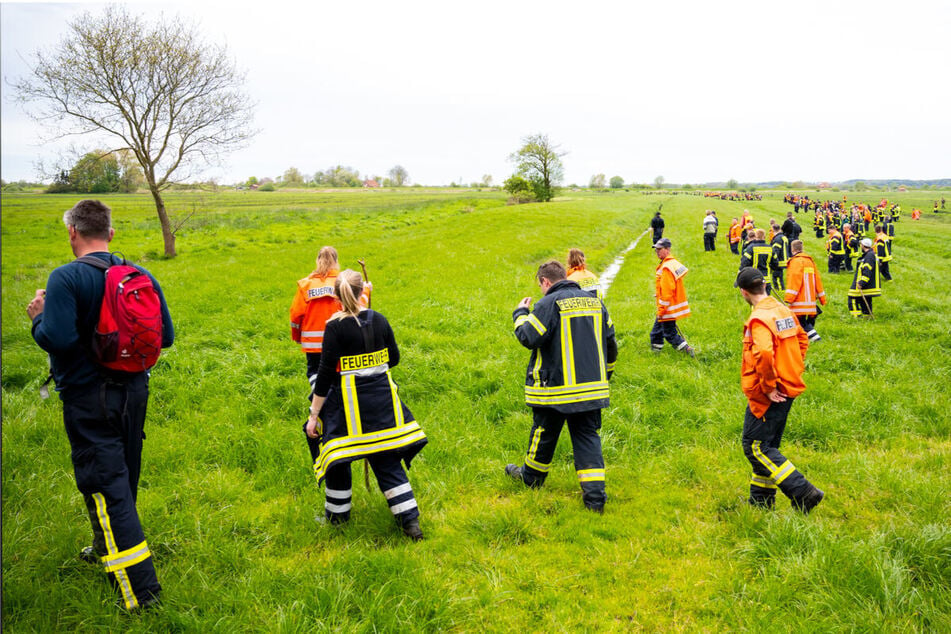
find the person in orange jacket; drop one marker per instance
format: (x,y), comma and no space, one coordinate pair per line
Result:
(804,289)
(671,299)
(314,303)
(774,352)
(734,236)
(578,272)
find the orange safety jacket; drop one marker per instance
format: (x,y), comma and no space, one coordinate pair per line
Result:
(587,280)
(314,303)
(735,230)
(803,285)
(774,353)
(669,290)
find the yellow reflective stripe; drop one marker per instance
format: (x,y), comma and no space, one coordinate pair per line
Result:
(591,475)
(567,354)
(784,472)
(521,319)
(566,400)
(610,366)
(364,444)
(127,558)
(536,369)
(538,325)
(536,438)
(598,337)
(764,460)
(537,466)
(125,586)
(763,482)
(351,406)
(397,405)
(565,389)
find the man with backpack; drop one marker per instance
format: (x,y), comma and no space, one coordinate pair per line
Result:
(103,332)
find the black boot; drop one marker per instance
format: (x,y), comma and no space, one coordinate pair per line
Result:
(807,502)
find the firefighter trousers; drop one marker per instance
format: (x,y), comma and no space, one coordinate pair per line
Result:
(313,364)
(585,443)
(105,429)
(771,470)
(393,482)
(666,330)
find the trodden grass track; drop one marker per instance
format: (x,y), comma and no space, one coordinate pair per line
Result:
(228,500)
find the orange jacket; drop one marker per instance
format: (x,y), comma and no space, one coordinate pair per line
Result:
(587,280)
(669,290)
(803,285)
(313,305)
(774,353)
(735,229)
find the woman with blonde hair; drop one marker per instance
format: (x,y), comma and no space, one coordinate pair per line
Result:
(357,412)
(577,272)
(314,303)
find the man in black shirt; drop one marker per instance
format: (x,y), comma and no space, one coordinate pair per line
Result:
(103,410)
(657,225)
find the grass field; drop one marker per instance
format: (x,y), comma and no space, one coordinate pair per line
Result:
(228,499)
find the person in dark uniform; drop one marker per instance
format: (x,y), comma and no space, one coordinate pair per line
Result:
(759,255)
(867,282)
(657,226)
(103,410)
(358,406)
(571,337)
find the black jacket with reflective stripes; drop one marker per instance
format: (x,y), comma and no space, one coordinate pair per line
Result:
(571,337)
(868,277)
(758,254)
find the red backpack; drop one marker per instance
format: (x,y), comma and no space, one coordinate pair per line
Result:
(128,336)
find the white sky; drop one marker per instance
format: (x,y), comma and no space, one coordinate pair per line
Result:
(693,91)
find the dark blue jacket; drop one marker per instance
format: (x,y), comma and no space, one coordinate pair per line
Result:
(65,327)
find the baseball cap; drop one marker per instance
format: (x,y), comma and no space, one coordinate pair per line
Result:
(663,243)
(749,278)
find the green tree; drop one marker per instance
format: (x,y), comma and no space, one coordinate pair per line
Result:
(252,180)
(157,89)
(540,162)
(616,182)
(732,184)
(659,182)
(95,173)
(598,181)
(398,175)
(293,177)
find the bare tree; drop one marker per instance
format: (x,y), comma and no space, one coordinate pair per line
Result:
(659,182)
(156,89)
(540,162)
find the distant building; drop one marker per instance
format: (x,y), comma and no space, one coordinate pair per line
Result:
(824,185)
(370,183)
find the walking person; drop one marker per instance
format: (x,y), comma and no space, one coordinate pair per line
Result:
(671,297)
(313,304)
(774,351)
(357,411)
(867,283)
(709,231)
(571,337)
(104,407)
(804,289)
(657,226)
(578,272)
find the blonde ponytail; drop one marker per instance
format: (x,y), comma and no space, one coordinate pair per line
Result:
(348,288)
(326,260)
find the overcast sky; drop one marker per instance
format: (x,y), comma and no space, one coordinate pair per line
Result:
(692,91)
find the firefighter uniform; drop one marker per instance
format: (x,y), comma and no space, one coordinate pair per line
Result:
(774,350)
(571,337)
(759,255)
(672,305)
(803,290)
(836,247)
(819,224)
(587,280)
(866,284)
(852,249)
(779,258)
(313,304)
(363,416)
(883,250)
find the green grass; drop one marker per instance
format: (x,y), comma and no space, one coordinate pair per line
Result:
(228,500)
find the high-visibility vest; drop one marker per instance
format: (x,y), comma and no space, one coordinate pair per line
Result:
(669,290)
(587,280)
(803,285)
(781,364)
(313,304)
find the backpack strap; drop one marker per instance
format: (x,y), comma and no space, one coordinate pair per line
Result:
(93,261)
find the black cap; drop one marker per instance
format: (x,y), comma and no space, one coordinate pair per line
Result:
(749,278)
(663,243)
